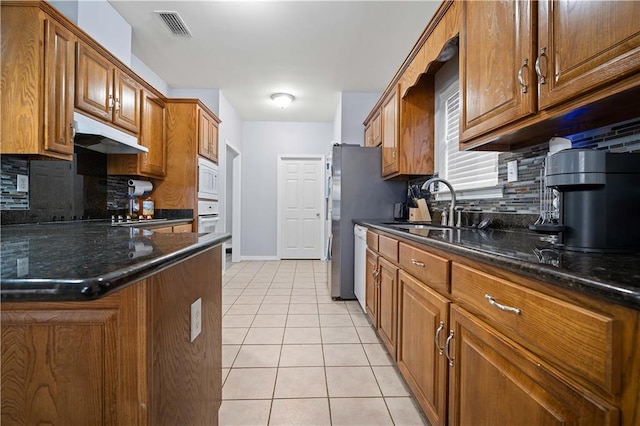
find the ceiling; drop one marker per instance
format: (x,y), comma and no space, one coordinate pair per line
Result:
(251,49)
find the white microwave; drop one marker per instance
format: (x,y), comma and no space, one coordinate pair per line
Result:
(207,179)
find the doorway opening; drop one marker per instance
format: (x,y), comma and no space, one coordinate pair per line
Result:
(232,202)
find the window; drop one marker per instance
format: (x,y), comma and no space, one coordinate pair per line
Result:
(473,172)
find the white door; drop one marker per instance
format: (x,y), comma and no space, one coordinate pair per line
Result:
(300,215)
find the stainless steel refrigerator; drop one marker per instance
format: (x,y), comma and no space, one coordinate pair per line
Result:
(357,192)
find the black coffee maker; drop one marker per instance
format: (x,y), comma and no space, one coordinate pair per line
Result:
(599,199)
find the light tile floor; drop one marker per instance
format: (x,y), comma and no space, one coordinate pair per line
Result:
(293,356)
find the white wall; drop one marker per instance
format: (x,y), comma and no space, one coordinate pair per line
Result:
(149,75)
(337,122)
(356,106)
(262,143)
(230,131)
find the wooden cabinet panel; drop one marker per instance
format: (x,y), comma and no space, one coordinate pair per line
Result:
(127,95)
(496,46)
(371,287)
(428,268)
(582,341)
(207,136)
(422,329)
(390,135)
(388,247)
(153,136)
(372,240)
(387,305)
(105,92)
(187,227)
(368,135)
(494,381)
(580,53)
(43,381)
(37,83)
(94,83)
(59,66)
(376,130)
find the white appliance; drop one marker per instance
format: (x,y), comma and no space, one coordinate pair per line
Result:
(360,264)
(208,216)
(207,179)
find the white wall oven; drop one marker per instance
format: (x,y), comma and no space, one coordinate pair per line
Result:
(208,216)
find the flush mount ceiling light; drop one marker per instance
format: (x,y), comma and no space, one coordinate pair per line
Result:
(282,99)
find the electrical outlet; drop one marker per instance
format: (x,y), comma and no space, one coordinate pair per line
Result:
(512,171)
(22,266)
(196,318)
(23,183)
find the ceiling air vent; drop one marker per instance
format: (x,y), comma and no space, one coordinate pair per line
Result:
(175,23)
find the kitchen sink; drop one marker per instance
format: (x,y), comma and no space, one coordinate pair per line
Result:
(406,225)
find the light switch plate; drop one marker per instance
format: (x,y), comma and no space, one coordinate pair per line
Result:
(196,318)
(23,183)
(512,171)
(22,265)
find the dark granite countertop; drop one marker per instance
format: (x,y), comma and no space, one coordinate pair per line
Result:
(614,277)
(87,260)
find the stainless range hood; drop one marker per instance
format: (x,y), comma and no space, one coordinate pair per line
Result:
(97,136)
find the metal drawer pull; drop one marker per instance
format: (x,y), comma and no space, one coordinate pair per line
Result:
(415,262)
(492,302)
(543,78)
(447,345)
(437,338)
(525,63)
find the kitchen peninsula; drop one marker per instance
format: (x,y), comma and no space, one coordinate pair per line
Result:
(110,325)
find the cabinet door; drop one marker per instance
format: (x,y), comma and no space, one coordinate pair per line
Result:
(583,45)
(205,128)
(59,68)
(213,141)
(422,326)
(94,84)
(390,135)
(152,135)
(388,305)
(368,135)
(371,287)
(126,112)
(59,367)
(496,48)
(495,381)
(376,130)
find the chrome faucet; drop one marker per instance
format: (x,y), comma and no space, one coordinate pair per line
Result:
(427,184)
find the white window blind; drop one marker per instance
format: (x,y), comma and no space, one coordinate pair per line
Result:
(465,170)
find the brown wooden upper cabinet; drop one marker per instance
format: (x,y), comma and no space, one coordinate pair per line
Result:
(207,136)
(105,92)
(509,75)
(37,83)
(389,117)
(153,136)
(372,131)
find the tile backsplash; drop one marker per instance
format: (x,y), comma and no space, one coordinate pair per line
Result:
(522,197)
(11,199)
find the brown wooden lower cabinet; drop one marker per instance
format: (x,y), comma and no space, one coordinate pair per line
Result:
(124,359)
(423,318)
(494,381)
(563,359)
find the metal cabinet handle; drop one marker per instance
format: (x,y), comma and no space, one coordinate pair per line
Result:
(437,337)
(376,273)
(542,77)
(447,346)
(525,64)
(500,306)
(111,103)
(417,263)
(117,104)
(73,130)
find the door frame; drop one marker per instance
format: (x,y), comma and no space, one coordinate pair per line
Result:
(320,158)
(236,205)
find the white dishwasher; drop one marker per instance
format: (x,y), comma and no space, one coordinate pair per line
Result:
(360,264)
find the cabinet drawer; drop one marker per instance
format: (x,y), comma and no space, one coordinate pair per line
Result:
(388,247)
(428,268)
(187,227)
(372,240)
(578,340)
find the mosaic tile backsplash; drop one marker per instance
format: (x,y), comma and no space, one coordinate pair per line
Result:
(522,197)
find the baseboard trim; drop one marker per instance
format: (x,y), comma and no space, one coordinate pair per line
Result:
(254,258)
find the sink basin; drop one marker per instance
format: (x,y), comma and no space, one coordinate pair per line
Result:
(399,225)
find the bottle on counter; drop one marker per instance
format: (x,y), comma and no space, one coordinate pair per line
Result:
(146,210)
